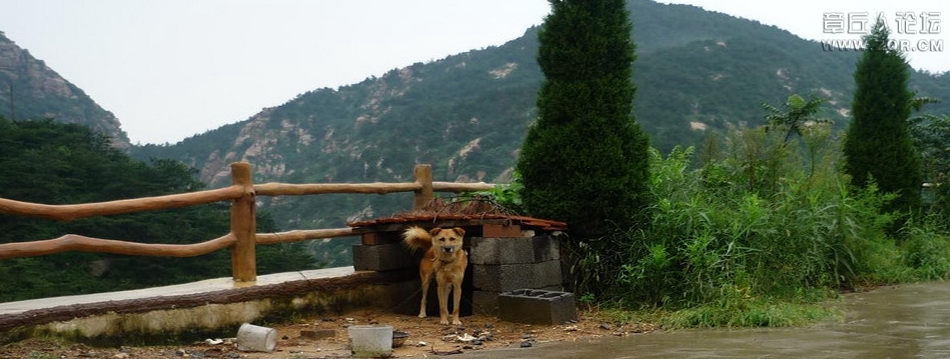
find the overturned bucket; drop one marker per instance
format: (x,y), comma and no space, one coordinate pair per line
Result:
(254,338)
(371,341)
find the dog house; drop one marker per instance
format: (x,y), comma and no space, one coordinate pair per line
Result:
(506,253)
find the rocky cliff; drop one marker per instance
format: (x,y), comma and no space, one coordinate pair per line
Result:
(31,90)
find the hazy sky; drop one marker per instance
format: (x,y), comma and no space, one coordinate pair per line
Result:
(171,69)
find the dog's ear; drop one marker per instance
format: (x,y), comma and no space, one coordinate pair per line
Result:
(460,231)
(435,231)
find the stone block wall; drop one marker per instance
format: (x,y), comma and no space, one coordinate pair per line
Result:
(502,258)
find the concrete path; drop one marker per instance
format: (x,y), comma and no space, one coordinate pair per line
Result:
(209,285)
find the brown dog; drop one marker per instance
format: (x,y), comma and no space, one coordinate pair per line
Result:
(445,258)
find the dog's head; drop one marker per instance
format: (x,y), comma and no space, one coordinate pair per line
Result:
(447,241)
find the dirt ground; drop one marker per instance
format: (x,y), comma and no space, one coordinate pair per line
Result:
(326,337)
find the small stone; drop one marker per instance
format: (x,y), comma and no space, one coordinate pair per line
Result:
(526,344)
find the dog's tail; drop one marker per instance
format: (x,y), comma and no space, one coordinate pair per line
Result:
(417,238)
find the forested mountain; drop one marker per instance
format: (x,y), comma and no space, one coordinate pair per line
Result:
(467,114)
(56,163)
(31,90)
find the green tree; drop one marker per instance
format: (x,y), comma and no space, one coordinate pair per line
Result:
(586,160)
(931,134)
(797,114)
(878,146)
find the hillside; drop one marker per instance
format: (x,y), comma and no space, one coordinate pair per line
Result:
(466,114)
(31,90)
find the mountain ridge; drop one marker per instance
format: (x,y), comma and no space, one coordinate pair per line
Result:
(35,91)
(466,114)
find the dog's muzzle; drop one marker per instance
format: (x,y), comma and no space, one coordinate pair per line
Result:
(448,249)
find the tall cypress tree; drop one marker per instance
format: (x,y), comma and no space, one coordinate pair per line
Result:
(585,160)
(879,143)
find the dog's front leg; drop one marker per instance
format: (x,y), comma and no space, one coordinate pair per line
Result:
(443,304)
(457,295)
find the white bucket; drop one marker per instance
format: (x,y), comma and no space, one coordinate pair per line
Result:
(371,341)
(253,338)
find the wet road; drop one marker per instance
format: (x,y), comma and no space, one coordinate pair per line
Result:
(908,321)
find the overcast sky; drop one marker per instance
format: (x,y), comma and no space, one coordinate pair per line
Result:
(171,69)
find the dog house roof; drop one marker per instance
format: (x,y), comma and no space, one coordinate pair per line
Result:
(472,211)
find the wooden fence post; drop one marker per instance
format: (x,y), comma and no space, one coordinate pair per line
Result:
(424,177)
(243,226)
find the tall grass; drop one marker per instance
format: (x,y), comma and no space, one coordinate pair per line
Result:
(756,234)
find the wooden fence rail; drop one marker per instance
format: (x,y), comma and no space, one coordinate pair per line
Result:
(242,237)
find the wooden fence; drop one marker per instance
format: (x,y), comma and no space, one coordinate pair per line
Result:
(242,237)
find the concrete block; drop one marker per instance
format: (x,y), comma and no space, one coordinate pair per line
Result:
(532,306)
(508,277)
(371,239)
(384,257)
(378,238)
(486,303)
(491,250)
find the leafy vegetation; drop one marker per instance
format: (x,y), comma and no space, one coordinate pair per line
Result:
(54,163)
(767,225)
(760,234)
